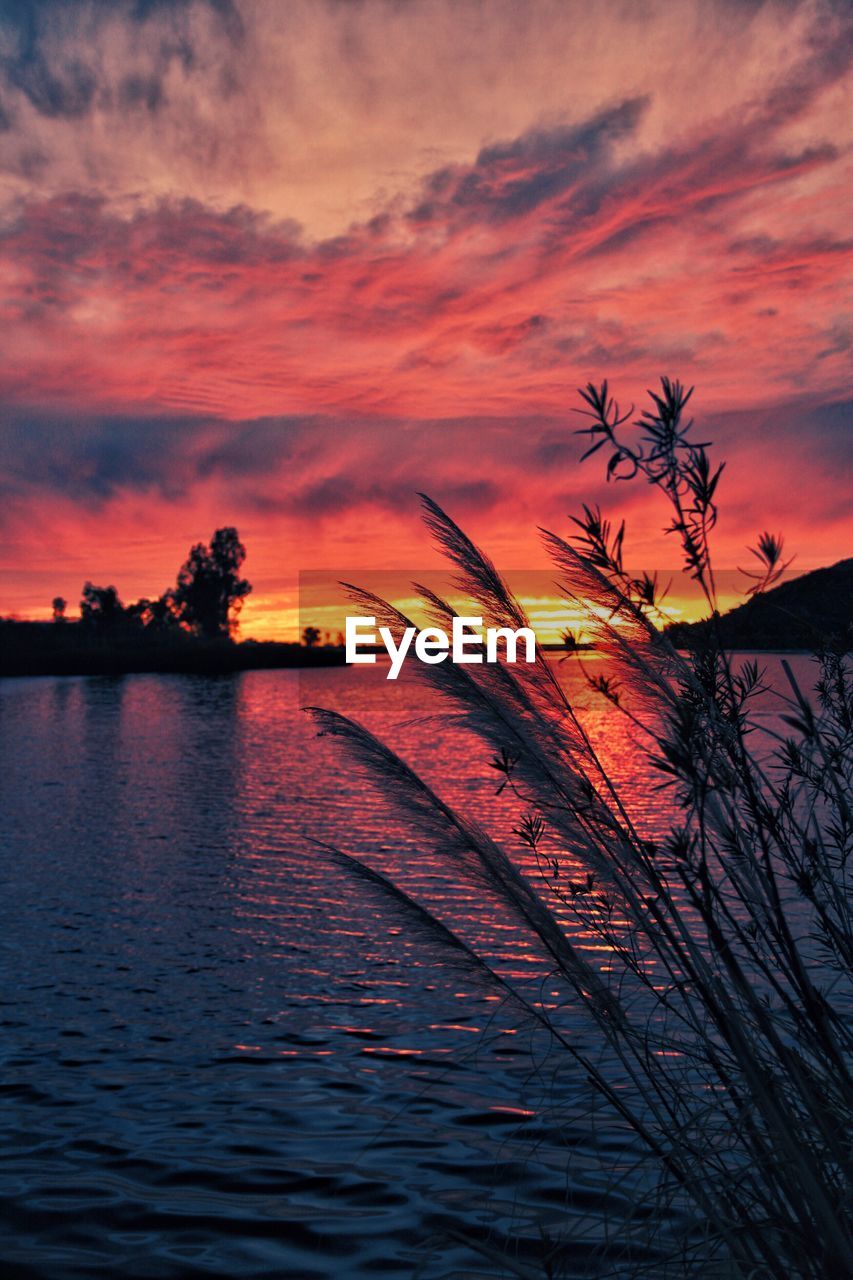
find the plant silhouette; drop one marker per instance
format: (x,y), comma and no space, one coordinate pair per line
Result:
(723,999)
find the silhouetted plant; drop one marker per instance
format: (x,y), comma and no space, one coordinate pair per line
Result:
(100,608)
(768,553)
(154,615)
(569,640)
(725,1000)
(58,606)
(311,637)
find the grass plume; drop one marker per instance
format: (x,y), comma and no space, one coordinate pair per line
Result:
(726,1005)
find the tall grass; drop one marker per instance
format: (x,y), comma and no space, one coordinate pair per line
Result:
(725,1000)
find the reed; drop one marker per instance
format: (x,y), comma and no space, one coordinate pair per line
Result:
(725,1002)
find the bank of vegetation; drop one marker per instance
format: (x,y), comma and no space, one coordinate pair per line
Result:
(191,627)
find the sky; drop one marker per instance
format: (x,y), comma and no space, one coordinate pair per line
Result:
(282,266)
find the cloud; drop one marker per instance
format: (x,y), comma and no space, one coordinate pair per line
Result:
(317,467)
(284,265)
(561,254)
(511,179)
(324,112)
(120,499)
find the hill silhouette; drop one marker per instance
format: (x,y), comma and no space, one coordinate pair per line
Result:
(808,612)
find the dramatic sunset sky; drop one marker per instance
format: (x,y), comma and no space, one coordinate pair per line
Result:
(280,265)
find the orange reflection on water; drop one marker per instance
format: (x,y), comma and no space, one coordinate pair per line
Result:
(453,1026)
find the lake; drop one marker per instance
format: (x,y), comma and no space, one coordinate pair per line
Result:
(223,1055)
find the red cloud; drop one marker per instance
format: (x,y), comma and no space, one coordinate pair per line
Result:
(549,258)
(434,345)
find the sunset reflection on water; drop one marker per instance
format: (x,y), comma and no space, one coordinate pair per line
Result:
(216,1038)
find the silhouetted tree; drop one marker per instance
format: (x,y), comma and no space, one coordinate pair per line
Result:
(311,637)
(100,607)
(157,615)
(210,591)
(59,604)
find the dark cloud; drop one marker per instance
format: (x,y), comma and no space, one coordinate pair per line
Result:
(290,463)
(597,206)
(346,492)
(66,89)
(316,466)
(804,430)
(555,451)
(64,233)
(59,87)
(91,461)
(542,165)
(510,179)
(142,91)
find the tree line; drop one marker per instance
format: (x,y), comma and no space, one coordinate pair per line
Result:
(205,600)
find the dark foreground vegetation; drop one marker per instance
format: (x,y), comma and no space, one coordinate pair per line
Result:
(42,648)
(714,958)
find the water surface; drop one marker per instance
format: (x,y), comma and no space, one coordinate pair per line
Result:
(222,1055)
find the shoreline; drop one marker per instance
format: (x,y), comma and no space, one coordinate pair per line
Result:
(213,658)
(262,656)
